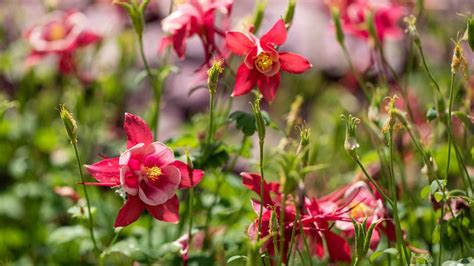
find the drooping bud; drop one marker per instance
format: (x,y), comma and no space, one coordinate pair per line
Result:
(350,143)
(69,123)
(213,75)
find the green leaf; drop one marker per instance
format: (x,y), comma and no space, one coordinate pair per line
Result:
(438,195)
(244,121)
(425,192)
(391,251)
(236,258)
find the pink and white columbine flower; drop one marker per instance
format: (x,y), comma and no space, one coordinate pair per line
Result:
(194,18)
(61,34)
(148,173)
(386,15)
(263,63)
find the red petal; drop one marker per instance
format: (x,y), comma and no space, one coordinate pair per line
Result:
(254,182)
(86,38)
(338,248)
(105,171)
(130,212)
(245,80)
(137,130)
(238,42)
(189,177)
(179,43)
(294,63)
(268,86)
(164,43)
(276,35)
(66,63)
(167,212)
(33,58)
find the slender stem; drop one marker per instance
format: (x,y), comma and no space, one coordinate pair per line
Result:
(425,65)
(293,231)
(354,71)
(398,230)
(261,143)
(282,227)
(190,228)
(210,134)
(157,91)
(376,185)
(84,187)
(441,230)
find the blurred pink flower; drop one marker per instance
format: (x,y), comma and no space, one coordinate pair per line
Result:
(263,63)
(61,34)
(195,18)
(355,15)
(148,173)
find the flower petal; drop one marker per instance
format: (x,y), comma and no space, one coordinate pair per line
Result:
(189,177)
(268,86)
(105,171)
(137,130)
(86,38)
(253,182)
(276,35)
(245,80)
(158,154)
(338,247)
(168,212)
(130,212)
(294,63)
(179,44)
(156,192)
(238,42)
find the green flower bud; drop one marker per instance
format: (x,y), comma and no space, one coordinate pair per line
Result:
(69,123)
(337,23)
(213,75)
(350,143)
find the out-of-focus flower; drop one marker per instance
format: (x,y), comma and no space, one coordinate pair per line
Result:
(362,203)
(195,18)
(355,15)
(183,244)
(263,63)
(148,173)
(61,34)
(67,192)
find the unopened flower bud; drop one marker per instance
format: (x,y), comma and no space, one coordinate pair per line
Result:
(431,114)
(458,63)
(337,23)
(69,123)
(260,122)
(258,16)
(290,12)
(410,21)
(213,74)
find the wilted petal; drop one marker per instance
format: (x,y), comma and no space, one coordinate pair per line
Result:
(137,130)
(276,35)
(130,212)
(167,212)
(294,63)
(238,42)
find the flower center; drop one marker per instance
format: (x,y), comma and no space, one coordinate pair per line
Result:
(57,32)
(264,62)
(152,173)
(361,211)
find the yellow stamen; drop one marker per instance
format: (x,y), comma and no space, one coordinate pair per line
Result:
(361,211)
(263,62)
(57,32)
(152,173)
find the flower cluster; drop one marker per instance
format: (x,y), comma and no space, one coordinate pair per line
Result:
(357,201)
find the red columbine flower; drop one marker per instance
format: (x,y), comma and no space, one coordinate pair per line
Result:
(194,18)
(61,34)
(354,15)
(148,174)
(263,63)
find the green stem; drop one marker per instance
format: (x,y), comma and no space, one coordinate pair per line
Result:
(84,187)
(354,71)
(398,230)
(425,65)
(210,134)
(261,143)
(282,227)
(376,185)
(190,228)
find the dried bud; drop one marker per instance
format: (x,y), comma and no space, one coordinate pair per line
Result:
(458,63)
(213,75)
(410,21)
(69,123)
